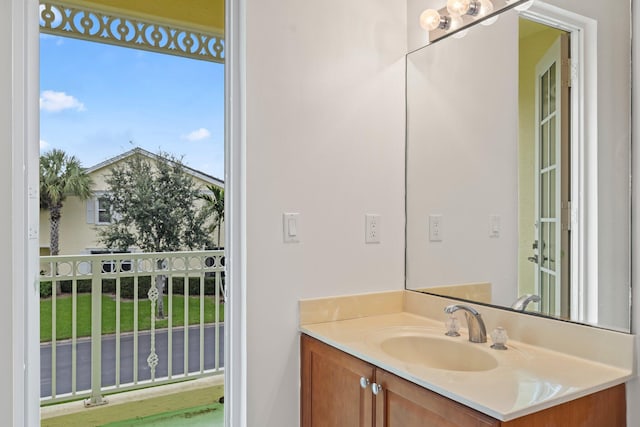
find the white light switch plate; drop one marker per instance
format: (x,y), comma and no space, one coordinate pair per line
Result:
(290,227)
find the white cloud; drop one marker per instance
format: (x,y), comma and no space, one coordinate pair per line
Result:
(54,102)
(197,135)
(44,145)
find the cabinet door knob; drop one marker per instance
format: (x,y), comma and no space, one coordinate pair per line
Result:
(364,382)
(376,388)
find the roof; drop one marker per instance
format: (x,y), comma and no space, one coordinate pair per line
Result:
(140,151)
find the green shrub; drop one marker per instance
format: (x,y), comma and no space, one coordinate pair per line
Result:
(45,289)
(194,286)
(126,286)
(84,286)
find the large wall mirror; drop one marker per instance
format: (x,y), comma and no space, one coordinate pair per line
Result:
(518,162)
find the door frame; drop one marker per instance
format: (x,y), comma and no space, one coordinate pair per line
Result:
(23,109)
(235,353)
(583,216)
(24,206)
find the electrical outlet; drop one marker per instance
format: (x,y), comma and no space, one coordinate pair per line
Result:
(435,228)
(372,228)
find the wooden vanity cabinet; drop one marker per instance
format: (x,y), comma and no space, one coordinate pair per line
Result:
(331,393)
(332,396)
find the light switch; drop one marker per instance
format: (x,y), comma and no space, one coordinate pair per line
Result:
(495,226)
(290,227)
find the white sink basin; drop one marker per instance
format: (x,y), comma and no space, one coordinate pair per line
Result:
(438,353)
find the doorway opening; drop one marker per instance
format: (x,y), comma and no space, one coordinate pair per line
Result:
(544,166)
(94,106)
(557,173)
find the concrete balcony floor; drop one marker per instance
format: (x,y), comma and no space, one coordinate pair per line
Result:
(143,407)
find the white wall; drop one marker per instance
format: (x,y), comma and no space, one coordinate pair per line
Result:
(325,138)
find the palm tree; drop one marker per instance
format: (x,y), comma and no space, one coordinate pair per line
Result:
(215,203)
(60,176)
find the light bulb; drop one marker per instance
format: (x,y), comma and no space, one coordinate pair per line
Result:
(458,7)
(455,23)
(486,7)
(430,19)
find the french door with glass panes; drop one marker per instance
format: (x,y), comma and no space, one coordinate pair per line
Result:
(552,179)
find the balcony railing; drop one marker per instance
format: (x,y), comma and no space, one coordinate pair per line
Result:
(127,346)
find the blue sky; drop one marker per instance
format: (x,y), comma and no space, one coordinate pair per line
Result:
(98,100)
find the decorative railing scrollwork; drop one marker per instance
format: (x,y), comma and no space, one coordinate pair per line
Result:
(66,20)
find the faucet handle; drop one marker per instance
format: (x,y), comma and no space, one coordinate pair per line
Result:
(499,337)
(453,326)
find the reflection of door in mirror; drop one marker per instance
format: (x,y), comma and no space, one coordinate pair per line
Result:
(544,165)
(552,163)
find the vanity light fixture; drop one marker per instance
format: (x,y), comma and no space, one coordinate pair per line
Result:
(485,9)
(454,15)
(463,7)
(431,19)
(475,8)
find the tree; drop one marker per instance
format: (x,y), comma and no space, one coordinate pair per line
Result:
(153,209)
(60,176)
(215,206)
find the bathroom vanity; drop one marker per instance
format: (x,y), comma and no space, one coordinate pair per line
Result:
(502,203)
(383,360)
(336,390)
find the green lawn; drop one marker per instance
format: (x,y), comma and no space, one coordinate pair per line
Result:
(63,314)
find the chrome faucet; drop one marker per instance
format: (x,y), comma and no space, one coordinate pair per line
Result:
(475,324)
(521,303)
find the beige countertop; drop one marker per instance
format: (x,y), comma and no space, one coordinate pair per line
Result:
(527,378)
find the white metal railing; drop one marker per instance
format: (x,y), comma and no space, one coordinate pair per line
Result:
(80,366)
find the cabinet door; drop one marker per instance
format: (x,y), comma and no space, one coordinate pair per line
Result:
(331,394)
(607,408)
(404,404)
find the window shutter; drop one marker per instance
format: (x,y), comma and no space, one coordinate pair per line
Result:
(91,211)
